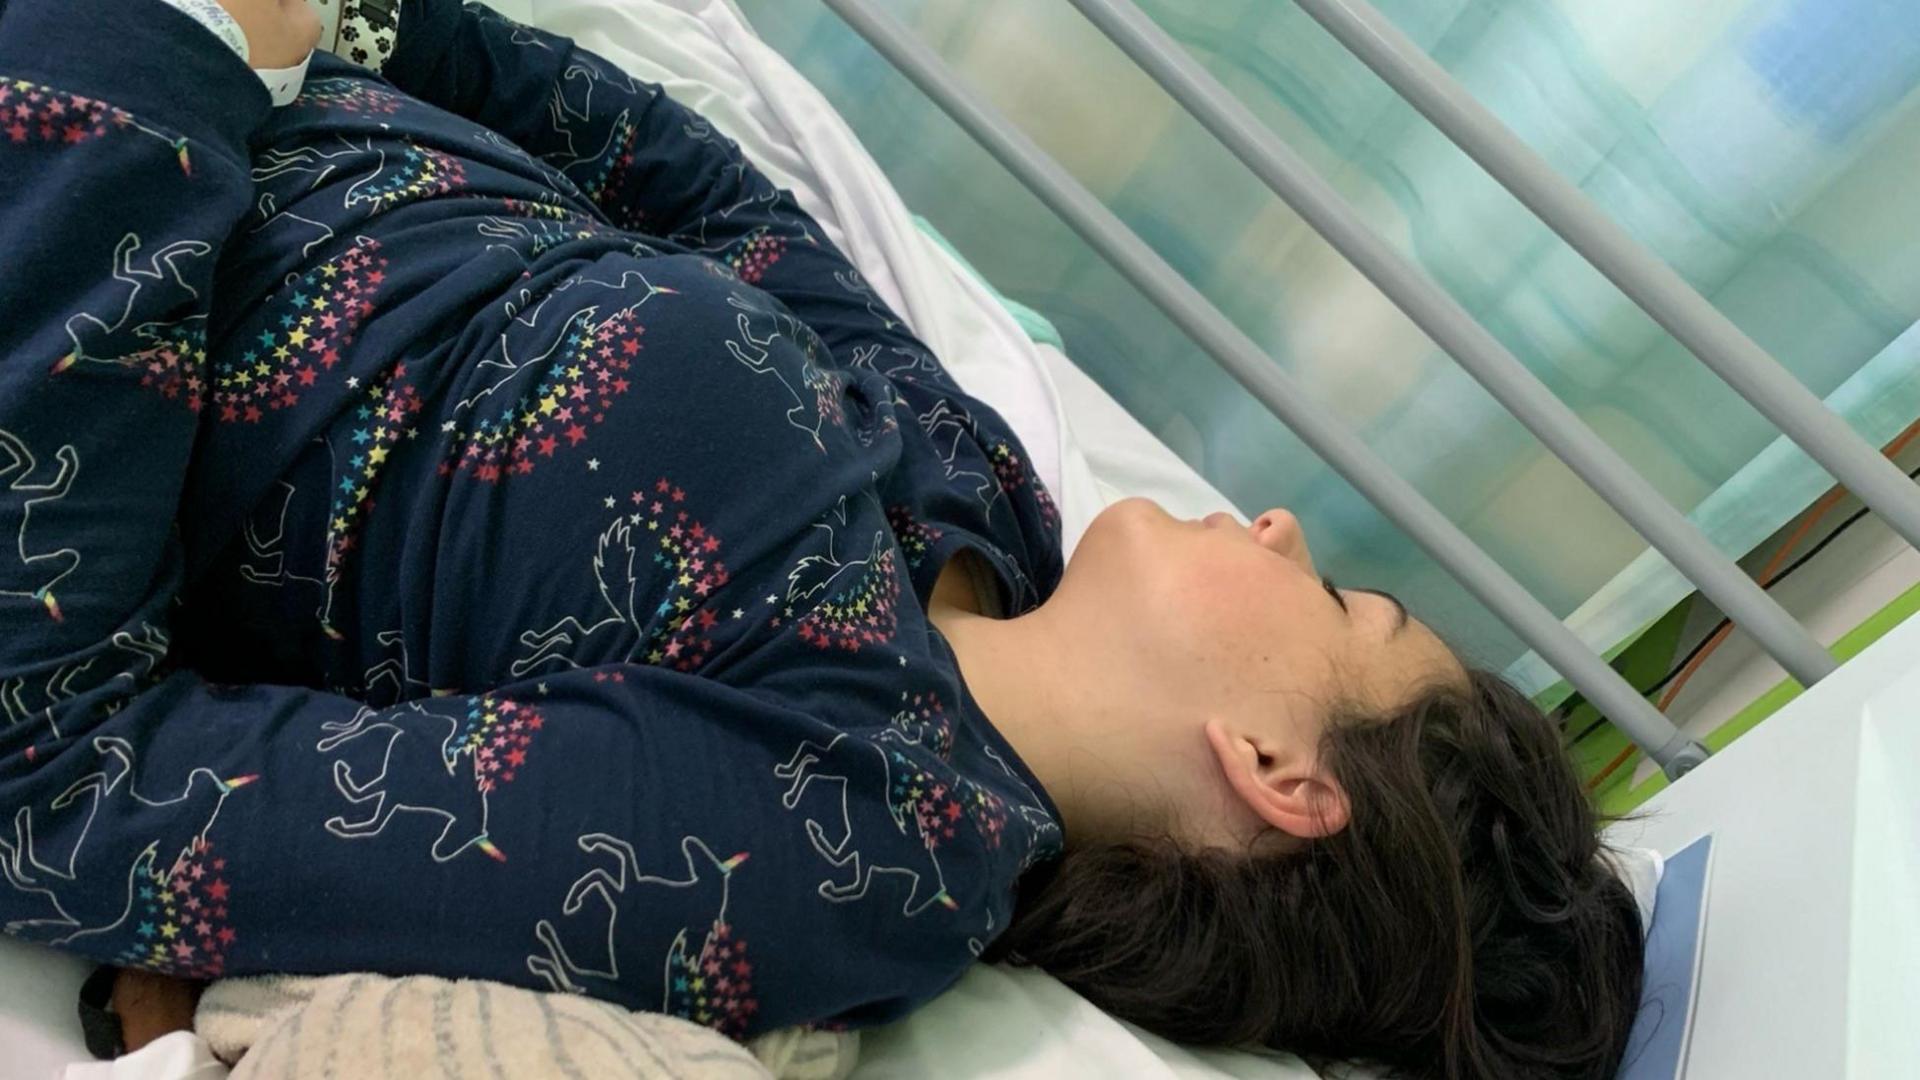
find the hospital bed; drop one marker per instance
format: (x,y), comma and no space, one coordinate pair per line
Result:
(1805,884)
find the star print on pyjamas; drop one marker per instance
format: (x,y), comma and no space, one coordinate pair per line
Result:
(922,799)
(309,325)
(610,172)
(144,888)
(438,759)
(1014,473)
(756,255)
(30,112)
(419,174)
(580,386)
(715,987)
(497,733)
(938,803)
(349,96)
(865,613)
(686,556)
(179,920)
(534,228)
(916,538)
(827,387)
(658,576)
(582,948)
(170,362)
(373,429)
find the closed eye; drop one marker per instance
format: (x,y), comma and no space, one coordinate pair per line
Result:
(1399,609)
(1334,592)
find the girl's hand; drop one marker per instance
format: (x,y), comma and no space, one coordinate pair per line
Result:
(150,1006)
(280,33)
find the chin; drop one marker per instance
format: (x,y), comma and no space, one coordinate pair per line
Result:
(1137,512)
(1122,540)
(1121,525)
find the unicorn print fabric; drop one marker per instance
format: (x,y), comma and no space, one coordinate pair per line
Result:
(467,522)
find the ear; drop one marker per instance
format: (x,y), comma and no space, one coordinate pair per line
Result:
(1297,797)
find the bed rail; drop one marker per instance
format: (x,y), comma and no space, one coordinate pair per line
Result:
(1450,326)
(1663,294)
(1247,362)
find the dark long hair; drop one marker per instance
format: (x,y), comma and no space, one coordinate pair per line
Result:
(1463,924)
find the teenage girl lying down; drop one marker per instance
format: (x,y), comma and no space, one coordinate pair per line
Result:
(468,522)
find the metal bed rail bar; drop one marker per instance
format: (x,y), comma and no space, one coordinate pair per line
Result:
(1449,325)
(1642,276)
(1247,362)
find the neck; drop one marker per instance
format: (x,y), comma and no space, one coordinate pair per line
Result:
(1023,675)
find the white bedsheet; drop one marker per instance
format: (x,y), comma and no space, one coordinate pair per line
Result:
(39,1027)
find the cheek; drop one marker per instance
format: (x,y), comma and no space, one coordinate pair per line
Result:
(1179,597)
(1251,622)
(1219,596)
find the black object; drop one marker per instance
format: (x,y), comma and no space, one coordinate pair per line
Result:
(99,1024)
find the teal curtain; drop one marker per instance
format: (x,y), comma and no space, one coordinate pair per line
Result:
(1768,149)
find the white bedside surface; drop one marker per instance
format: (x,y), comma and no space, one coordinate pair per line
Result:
(1814,816)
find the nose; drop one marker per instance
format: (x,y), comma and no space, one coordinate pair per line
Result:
(1279,531)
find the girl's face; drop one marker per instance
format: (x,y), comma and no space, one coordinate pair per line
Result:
(1242,610)
(1215,656)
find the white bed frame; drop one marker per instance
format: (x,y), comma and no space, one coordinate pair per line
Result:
(1811,965)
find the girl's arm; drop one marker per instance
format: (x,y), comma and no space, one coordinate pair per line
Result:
(642,836)
(123,127)
(652,165)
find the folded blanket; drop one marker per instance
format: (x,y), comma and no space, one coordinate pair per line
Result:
(372,1027)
